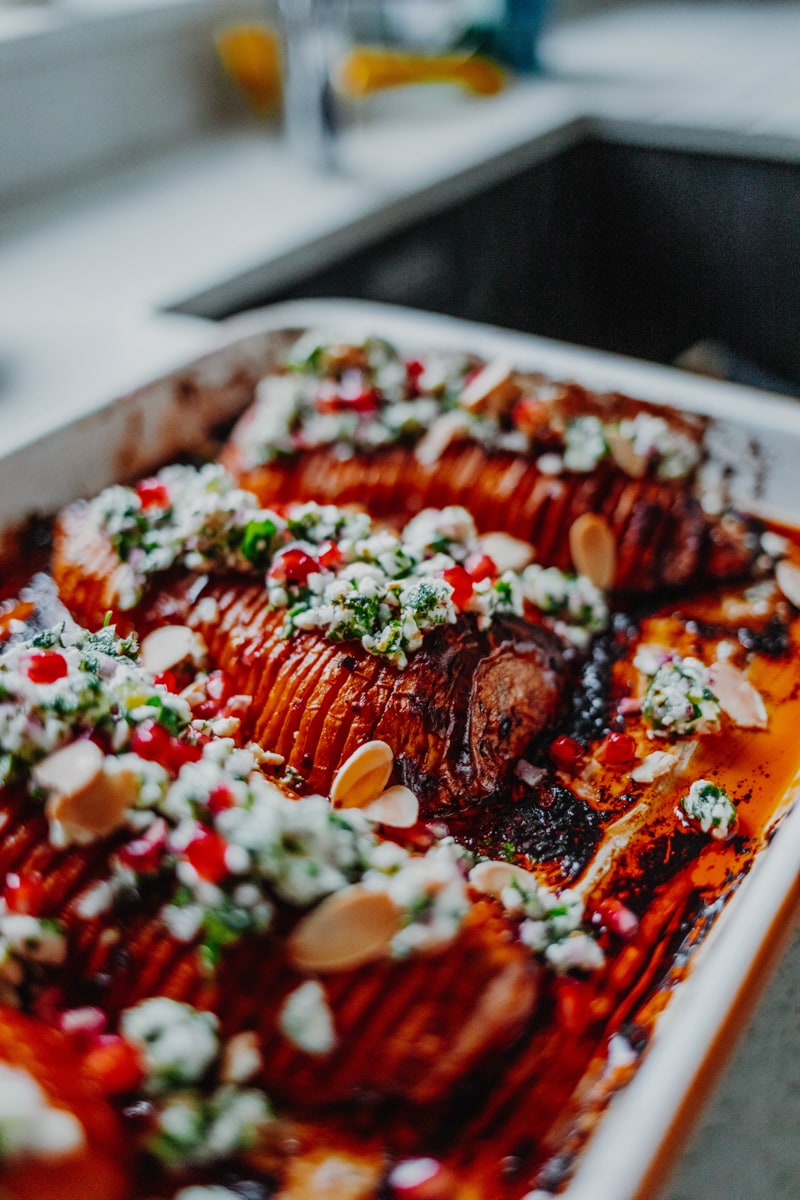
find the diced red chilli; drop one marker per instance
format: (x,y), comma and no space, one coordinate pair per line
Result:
(152,493)
(24,893)
(114,1064)
(206,853)
(566,753)
(46,666)
(461,583)
(618,750)
(142,855)
(480,566)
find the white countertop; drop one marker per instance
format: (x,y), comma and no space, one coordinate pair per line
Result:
(236,212)
(86,276)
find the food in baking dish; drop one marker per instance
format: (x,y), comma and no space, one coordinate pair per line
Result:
(354,850)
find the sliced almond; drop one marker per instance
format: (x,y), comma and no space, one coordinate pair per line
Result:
(737,696)
(363,776)
(492,391)
(448,428)
(625,456)
(71,769)
(787,577)
(170,646)
(348,928)
(86,800)
(397,807)
(506,552)
(492,878)
(656,764)
(593,549)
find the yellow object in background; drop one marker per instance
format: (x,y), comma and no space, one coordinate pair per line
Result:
(251,57)
(372,68)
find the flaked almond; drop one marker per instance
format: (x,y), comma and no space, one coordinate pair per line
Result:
(492,878)
(348,928)
(446,429)
(170,646)
(593,549)
(86,800)
(71,769)
(506,552)
(737,696)
(625,456)
(363,776)
(492,391)
(787,577)
(397,807)
(656,764)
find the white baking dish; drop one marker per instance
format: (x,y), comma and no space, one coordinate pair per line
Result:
(131,434)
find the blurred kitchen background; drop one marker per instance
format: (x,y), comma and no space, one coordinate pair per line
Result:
(625,176)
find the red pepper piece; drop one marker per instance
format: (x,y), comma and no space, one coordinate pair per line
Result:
(616,917)
(221,798)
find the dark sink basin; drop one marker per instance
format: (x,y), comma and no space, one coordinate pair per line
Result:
(640,250)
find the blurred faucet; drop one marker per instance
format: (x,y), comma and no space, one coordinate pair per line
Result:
(314,38)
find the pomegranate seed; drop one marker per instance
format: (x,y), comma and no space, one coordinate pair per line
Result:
(461,583)
(168,680)
(480,566)
(618,750)
(114,1064)
(616,917)
(329,555)
(180,753)
(143,855)
(152,493)
(566,753)
(221,798)
(293,566)
(46,666)
(24,893)
(151,741)
(206,853)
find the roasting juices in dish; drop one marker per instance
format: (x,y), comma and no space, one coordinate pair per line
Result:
(355,850)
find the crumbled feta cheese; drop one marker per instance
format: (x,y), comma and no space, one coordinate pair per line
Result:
(306,1019)
(584,444)
(30,1126)
(711,807)
(178,1043)
(679,699)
